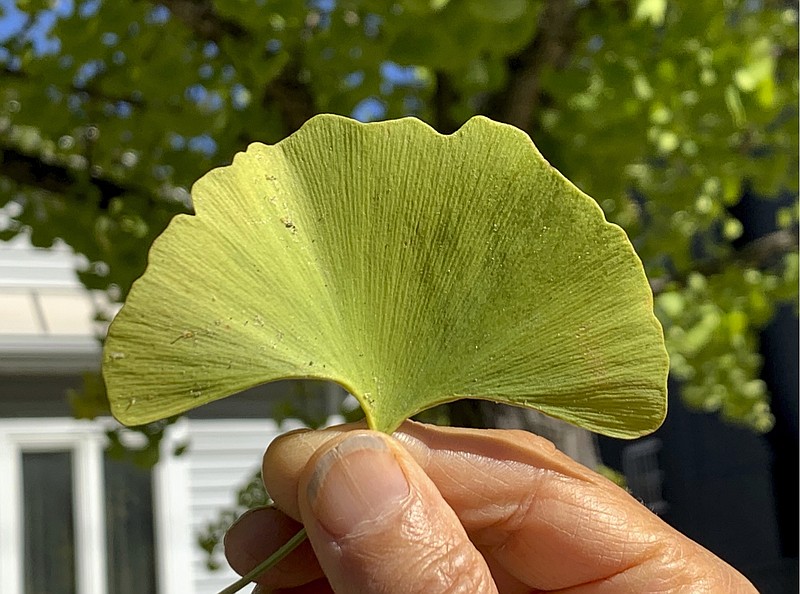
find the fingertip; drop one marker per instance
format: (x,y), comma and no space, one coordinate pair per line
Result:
(375,520)
(284,460)
(286,457)
(358,479)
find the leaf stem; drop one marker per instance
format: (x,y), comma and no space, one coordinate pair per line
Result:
(268,563)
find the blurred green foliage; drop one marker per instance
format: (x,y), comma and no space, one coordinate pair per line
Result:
(665,111)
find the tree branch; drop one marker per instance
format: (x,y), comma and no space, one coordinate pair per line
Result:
(90,90)
(293,98)
(203,20)
(760,253)
(551,46)
(32,171)
(442,103)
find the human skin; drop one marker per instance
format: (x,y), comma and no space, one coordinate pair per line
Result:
(439,510)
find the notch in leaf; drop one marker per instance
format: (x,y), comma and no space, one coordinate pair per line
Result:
(409,267)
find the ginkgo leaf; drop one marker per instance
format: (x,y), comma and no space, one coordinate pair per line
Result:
(409,267)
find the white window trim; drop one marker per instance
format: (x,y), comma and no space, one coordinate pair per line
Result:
(173,533)
(86,441)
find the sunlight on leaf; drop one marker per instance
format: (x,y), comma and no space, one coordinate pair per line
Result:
(651,10)
(409,267)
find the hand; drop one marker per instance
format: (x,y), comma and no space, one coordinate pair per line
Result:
(435,510)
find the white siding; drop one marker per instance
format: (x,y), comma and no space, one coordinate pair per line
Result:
(222,456)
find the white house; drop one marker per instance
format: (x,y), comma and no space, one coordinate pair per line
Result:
(71,518)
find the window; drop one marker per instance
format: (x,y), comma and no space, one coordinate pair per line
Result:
(48,527)
(74,521)
(130,539)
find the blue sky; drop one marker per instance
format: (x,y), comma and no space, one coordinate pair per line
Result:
(13,20)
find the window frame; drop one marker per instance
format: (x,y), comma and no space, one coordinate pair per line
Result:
(86,442)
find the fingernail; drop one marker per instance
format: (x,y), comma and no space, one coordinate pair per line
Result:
(357,481)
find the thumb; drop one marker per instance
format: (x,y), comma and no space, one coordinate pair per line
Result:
(378,524)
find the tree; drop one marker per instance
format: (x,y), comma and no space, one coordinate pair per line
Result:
(666,112)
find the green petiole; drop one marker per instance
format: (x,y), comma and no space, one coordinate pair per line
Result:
(267,564)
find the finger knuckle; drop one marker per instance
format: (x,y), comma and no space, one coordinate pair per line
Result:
(451,567)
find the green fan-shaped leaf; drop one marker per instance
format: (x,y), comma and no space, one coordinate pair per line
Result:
(411,268)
